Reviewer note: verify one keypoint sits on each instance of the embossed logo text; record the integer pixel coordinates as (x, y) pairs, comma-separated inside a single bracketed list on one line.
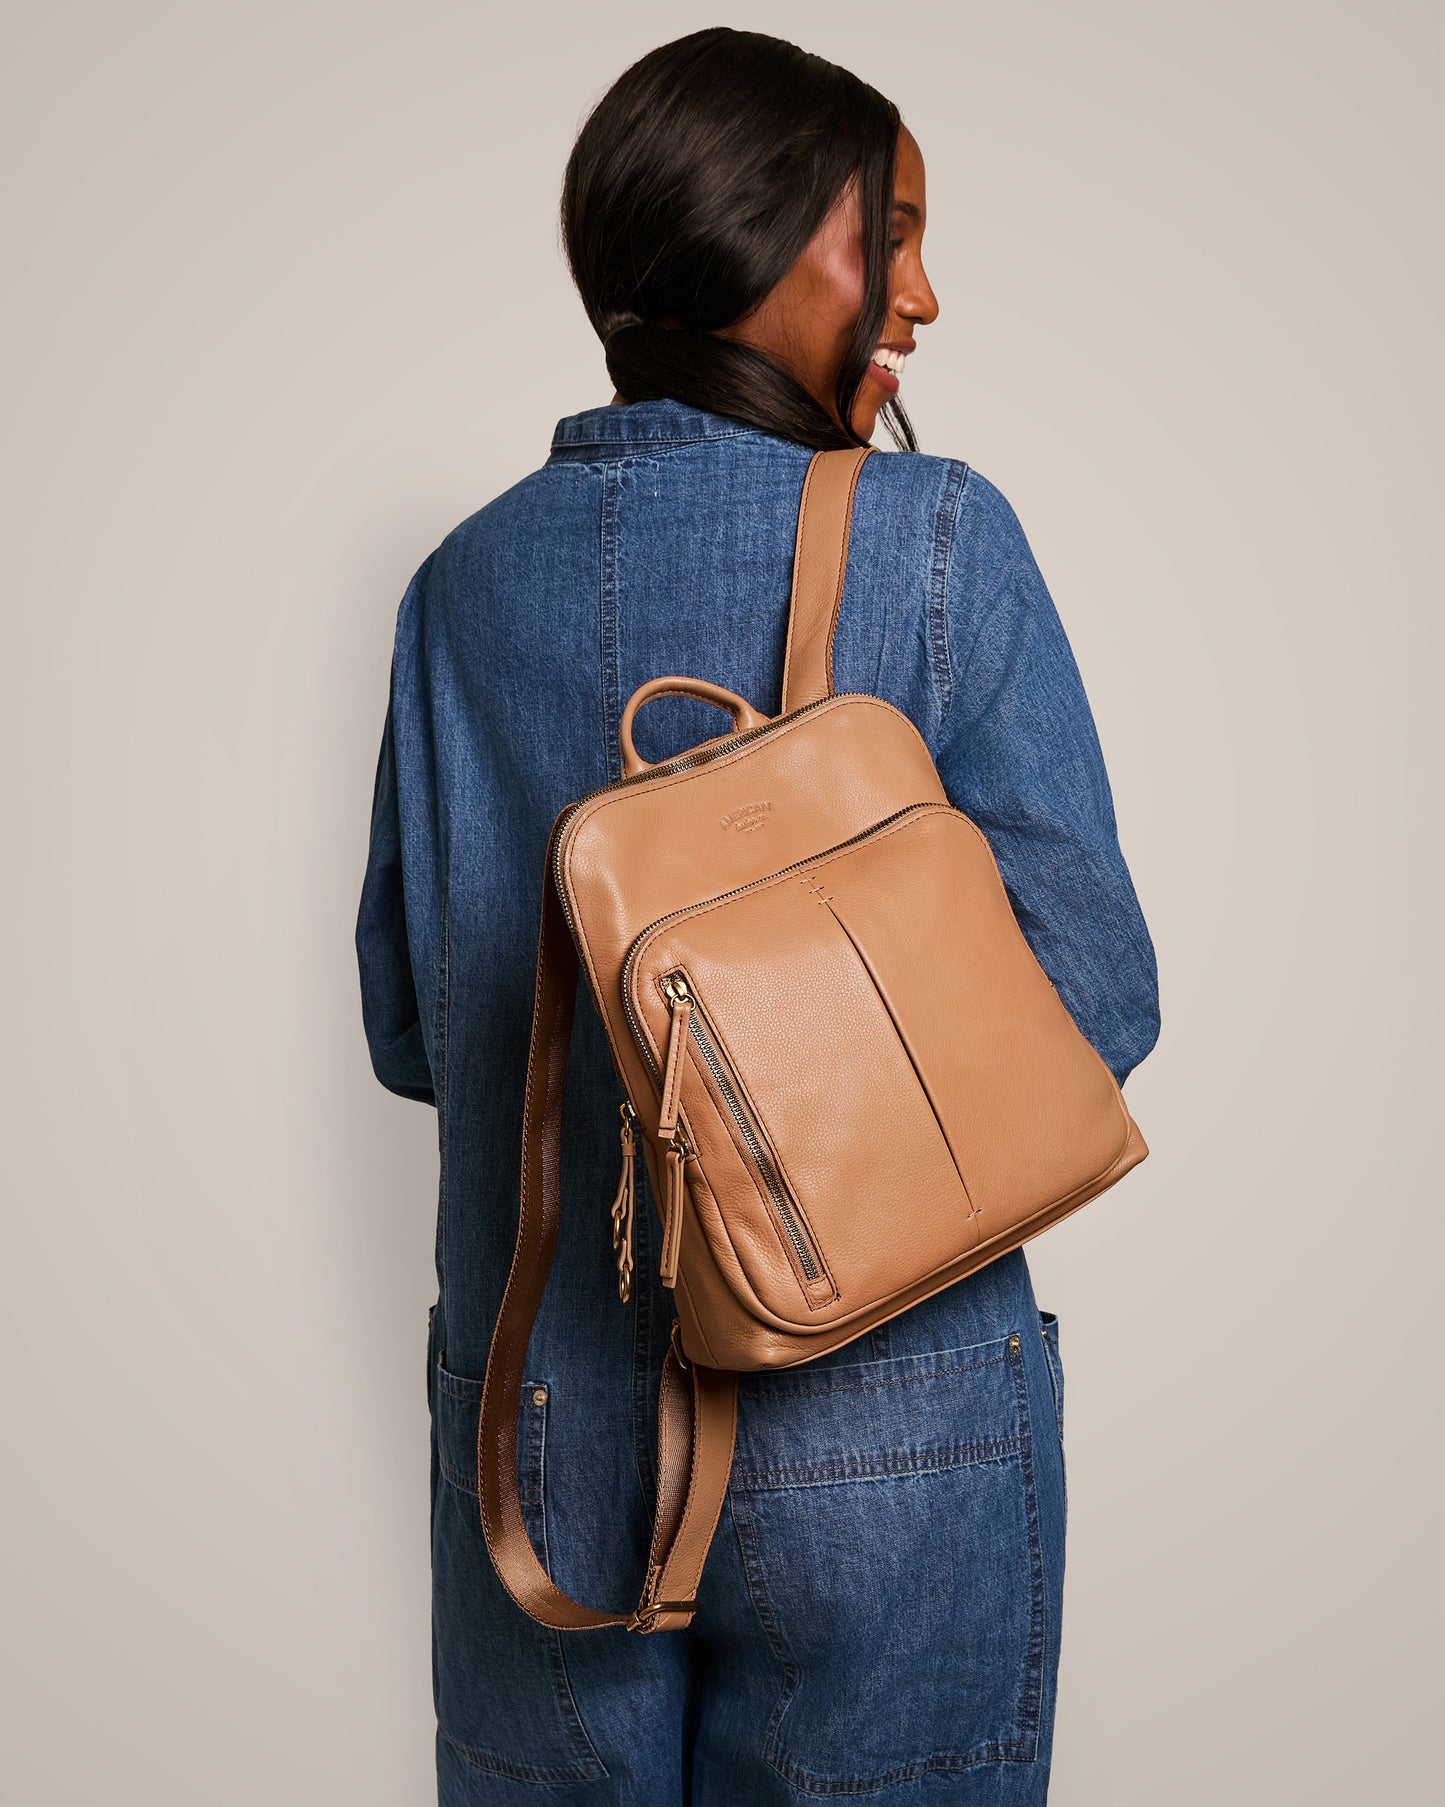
[(748, 817)]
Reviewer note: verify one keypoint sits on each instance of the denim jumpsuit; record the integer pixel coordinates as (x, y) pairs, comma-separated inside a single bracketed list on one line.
[(880, 1610)]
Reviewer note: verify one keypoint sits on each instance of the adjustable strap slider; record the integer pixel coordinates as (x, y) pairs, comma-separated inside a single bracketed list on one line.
[(641, 1617)]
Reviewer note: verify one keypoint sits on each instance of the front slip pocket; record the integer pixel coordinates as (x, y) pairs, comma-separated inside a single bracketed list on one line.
[(740, 1146), (878, 1077)]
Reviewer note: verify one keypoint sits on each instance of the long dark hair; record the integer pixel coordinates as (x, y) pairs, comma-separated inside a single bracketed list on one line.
[(693, 187)]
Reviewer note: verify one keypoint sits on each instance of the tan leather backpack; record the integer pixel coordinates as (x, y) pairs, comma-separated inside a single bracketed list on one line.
[(819, 1003)]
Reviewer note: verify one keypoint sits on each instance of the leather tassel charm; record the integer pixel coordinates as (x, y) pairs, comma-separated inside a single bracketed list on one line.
[(677, 1151), (624, 1203)]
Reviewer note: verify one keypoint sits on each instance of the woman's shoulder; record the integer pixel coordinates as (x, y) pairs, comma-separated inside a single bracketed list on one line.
[(932, 473), (962, 504)]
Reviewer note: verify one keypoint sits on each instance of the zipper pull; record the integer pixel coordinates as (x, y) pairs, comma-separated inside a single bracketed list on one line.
[(623, 1204), (669, 1130), (678, 1150), (680, 999)]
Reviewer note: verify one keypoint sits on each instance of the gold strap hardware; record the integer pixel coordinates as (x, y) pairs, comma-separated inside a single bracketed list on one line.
[(640, 1616)]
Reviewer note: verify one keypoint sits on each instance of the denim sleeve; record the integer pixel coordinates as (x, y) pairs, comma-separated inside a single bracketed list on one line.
[(1019, 754), (388, 990)]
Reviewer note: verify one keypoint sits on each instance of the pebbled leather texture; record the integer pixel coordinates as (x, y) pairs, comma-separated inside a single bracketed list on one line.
[(862, 1021)]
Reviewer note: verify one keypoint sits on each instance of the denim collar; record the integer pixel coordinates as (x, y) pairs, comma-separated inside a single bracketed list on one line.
[(622, 428)]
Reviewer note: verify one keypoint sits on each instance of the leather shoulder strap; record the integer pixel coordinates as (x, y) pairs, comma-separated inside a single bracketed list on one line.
[(697, 1406), (820, 563)]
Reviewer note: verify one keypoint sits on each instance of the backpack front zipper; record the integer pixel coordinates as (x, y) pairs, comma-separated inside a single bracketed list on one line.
[(682, 1001)]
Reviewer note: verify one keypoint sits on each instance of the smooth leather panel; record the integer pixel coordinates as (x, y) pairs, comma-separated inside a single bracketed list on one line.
[(785, 996), (957, 1047), (1029, 1108), (717, 1328)]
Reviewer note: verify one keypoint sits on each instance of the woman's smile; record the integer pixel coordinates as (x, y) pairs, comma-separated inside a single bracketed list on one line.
[(887, 365)]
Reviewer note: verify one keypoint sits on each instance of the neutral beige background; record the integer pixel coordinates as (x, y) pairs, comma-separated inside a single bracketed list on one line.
[(284, 303)]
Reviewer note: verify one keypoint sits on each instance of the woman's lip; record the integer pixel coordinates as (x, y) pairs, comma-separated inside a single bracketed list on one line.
[(885, 377)]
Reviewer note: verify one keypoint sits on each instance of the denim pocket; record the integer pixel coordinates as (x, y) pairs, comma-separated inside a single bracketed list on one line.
[(888, 1519), (503, 1698)]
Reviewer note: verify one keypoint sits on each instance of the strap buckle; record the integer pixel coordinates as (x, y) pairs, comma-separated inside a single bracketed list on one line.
[(639, 1619), (675, 1338)]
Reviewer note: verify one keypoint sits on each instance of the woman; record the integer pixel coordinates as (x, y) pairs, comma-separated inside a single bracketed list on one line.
[(881, 1606)]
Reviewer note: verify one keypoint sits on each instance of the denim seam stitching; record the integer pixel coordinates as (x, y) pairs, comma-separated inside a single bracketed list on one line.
[(633, 447), (746, 1536), (468, 1392), (537, 1472), (442, 1033), (557, 1654), (1038, 1621), (884, 1467), (581, 1771), (943, 536), (467, 1483), (607, 621), (960, 497), (892, 1380), (941, 1762), (1051, 1357)]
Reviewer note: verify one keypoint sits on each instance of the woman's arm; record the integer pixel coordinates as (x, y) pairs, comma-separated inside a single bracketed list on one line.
[(388, 990), (1019, 754)]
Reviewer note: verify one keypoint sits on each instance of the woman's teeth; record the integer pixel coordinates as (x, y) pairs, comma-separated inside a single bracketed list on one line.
[(890, 360)]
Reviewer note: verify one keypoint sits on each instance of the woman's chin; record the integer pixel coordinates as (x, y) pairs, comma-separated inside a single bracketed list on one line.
[(865, 419)]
